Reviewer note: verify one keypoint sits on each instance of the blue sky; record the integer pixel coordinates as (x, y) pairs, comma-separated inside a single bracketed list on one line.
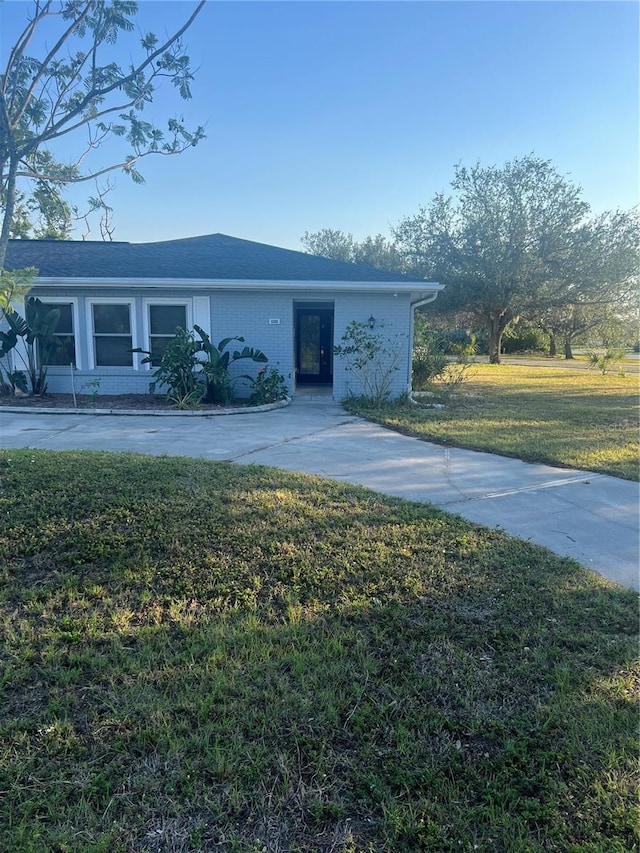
[(351, 115)]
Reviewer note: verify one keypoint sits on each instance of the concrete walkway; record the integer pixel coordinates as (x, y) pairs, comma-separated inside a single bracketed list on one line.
[(590, 517)]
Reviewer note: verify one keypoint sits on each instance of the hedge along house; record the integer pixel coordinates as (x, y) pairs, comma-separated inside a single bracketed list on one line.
[(115, 297)]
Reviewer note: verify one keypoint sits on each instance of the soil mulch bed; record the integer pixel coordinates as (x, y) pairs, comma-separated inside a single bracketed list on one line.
[(106, 401)]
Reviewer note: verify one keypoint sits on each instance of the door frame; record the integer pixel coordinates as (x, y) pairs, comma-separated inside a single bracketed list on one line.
[(326, 309)]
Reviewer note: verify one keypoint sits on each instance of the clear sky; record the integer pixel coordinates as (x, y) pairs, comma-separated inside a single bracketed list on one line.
[(351, 115)]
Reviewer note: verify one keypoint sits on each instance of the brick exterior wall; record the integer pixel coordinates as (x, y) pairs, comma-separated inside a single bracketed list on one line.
[(393, 326), (266, 319)]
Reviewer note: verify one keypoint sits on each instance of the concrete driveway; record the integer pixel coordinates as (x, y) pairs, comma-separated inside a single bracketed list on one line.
[(590, 517)]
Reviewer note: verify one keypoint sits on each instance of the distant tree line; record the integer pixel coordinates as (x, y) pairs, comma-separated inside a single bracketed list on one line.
[(518, 248)]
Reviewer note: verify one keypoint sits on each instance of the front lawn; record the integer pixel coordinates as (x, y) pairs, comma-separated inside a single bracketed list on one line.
[(200, 657), (577, 419)]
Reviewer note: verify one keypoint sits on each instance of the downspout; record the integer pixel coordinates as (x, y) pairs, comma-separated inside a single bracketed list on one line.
[(412, 323)]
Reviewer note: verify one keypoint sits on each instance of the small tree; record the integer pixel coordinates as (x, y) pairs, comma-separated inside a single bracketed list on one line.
[(371, 358), (602, 361)]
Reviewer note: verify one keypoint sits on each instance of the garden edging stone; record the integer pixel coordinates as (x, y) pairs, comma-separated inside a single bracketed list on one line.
[(156, 413)]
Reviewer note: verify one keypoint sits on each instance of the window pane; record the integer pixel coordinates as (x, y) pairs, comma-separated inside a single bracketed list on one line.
[(114, 351), (64, 351), (111, 319), (163, 319), (309, 344), (65, 323)]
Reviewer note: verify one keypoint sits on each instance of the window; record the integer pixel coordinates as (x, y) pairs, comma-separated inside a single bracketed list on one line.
[(64, 337), (163, 321), (112, 340)]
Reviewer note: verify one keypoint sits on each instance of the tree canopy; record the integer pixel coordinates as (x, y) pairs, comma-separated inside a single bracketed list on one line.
[(511, 242), (379, 251), (498, 241), (61, 82), (597, 287)]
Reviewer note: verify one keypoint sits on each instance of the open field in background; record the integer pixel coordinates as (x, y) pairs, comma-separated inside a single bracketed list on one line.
[(572, 418), (199, 657)]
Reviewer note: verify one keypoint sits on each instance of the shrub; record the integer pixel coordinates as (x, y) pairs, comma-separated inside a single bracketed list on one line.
[(216, 368), (428, 362), (604, 360), (189, 379), (432, 361), (523, 337), (372, 358), (177, 370), (269, 386), (37, 329)]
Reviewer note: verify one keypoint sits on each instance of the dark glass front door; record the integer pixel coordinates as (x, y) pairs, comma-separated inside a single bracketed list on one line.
[(314, 345)]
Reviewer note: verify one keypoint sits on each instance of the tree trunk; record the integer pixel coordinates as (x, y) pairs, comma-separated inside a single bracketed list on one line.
[(568, 354), (7, 215), (553, 346), (497, 325)]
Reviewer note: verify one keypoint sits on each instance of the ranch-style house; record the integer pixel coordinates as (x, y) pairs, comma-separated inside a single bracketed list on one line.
[(115, 297)]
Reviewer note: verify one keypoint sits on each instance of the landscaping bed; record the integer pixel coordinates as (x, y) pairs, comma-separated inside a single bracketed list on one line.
[(124, 402)]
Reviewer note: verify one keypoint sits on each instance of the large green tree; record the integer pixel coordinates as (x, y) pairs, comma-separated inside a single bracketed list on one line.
[(497, 241), (597, 287), (61, 83)]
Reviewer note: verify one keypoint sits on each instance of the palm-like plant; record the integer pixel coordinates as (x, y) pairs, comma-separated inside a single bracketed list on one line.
[(216, 368), (189, 378), (37, 329)]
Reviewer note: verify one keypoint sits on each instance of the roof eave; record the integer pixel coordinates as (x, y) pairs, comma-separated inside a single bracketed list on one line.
[(416, 289)]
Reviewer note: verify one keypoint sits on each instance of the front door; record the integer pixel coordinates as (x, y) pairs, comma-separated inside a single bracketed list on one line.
[(314, 345)]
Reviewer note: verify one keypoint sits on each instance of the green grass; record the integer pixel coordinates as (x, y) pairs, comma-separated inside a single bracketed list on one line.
[(200, 657), (576, 419)]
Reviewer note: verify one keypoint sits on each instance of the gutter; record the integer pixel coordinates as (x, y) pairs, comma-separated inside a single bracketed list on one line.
[(195, 284), (418, 304)]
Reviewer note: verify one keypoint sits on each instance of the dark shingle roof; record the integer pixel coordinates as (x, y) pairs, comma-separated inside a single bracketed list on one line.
[(215, 256)]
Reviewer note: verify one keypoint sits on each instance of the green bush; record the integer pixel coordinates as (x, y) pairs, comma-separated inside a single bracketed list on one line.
[(603, 361), (432, 360), (189, 378), (371, 358), (524, 338), (269, 386), (428, 362), (177, 370), (216, 367)]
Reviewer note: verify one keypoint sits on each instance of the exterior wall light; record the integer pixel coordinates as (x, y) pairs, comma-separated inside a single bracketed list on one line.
[(371, 321)]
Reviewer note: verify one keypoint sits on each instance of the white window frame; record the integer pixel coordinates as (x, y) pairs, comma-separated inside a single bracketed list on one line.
[(112, 300), (146, 318), (75, 315)]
